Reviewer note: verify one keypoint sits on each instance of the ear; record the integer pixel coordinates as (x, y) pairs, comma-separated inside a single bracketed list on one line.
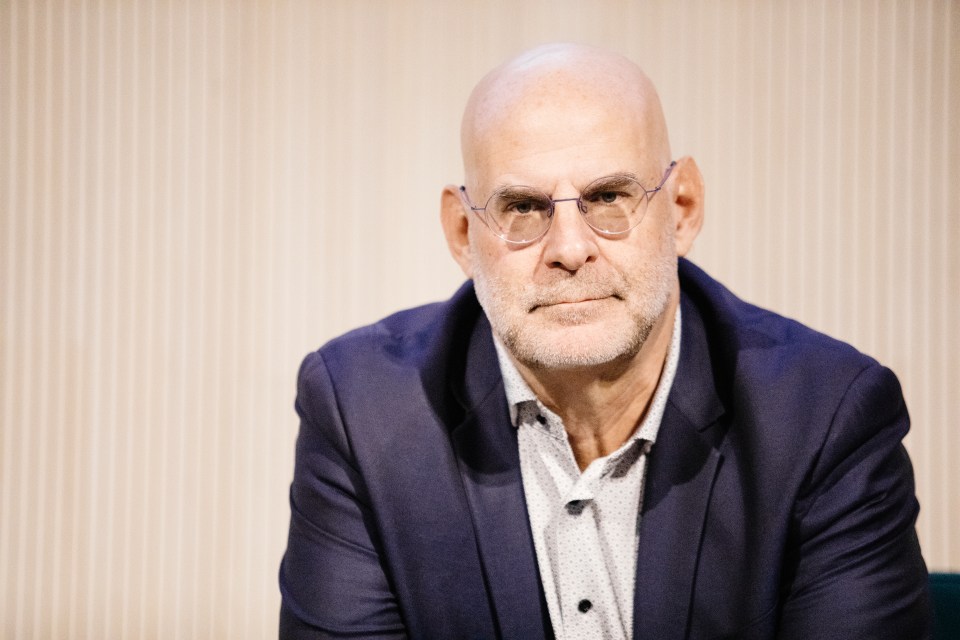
[(687, 204), (456, 226)]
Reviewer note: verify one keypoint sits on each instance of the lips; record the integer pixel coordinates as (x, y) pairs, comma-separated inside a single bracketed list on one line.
[(578, 301), (573, 301), (584, 288)]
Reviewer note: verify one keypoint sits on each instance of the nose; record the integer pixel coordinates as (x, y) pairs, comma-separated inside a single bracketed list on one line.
[(570, 243)]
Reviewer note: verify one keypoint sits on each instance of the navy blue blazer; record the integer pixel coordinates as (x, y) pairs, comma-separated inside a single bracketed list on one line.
[(779, 501)]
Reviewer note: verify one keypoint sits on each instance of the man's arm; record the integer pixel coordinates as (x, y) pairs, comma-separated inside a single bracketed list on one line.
[(856, 569), (332, 580)]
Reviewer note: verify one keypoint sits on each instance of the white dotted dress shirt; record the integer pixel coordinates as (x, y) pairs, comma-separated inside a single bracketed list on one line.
[(584, 524)]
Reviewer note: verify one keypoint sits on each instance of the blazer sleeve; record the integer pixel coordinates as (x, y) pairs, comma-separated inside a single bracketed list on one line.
[(332, 579), (855, 569)]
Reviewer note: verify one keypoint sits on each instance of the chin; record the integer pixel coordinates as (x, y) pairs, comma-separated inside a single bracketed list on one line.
[(577, 346)]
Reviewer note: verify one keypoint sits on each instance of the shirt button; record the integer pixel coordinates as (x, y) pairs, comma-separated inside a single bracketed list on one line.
[(584, 605), (575, 507)]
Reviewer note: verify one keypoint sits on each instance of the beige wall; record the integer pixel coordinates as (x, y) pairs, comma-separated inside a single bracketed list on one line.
[(195, 194)]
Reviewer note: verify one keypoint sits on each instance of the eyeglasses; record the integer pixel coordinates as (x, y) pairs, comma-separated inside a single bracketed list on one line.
[(611, 205)]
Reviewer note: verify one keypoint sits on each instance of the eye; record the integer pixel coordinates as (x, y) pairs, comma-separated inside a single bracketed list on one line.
[(523, 207), (612, 191), (604, 197)]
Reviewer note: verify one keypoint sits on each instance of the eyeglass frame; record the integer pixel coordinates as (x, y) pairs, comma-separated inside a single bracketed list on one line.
[(581, 207)]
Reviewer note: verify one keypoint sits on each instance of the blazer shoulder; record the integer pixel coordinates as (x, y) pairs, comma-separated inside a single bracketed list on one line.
[(783, 386), (411, 364), (771, 343), (411, 337)]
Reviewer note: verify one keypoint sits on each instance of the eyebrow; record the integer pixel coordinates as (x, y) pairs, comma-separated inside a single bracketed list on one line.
[(615, 180), (517, 191)]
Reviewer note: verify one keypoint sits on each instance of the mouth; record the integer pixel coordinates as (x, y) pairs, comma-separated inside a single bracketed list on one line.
[(560, 304)]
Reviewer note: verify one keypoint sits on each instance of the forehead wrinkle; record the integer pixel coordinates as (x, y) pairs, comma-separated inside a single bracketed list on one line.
[(506, 162)]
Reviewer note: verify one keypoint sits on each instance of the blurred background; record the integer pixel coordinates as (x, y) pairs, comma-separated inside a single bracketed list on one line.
[(193, 195)]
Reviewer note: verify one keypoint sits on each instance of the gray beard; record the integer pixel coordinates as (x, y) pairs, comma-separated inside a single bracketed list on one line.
[(499, 298)]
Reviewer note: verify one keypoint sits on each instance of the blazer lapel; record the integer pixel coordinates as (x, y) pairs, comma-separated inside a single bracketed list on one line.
[(486, 447), (680, 477)]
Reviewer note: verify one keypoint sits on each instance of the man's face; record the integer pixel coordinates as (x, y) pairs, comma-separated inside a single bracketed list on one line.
[(573, 298)]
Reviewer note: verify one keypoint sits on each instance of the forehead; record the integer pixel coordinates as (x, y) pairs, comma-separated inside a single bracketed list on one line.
[(549, 143)]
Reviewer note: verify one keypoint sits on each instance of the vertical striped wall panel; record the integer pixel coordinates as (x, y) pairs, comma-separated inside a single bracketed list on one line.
[(195, 194)]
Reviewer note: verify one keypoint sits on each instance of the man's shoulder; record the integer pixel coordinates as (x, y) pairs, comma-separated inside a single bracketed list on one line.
[(784, 387), (412, 337), (746, 331), (767, 369), (399, 379)]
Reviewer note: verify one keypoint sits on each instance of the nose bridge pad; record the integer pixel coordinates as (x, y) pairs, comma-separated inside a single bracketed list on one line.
[(579, 206)]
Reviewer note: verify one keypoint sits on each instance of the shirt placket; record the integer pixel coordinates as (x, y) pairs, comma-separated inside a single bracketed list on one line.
[(579, 580)]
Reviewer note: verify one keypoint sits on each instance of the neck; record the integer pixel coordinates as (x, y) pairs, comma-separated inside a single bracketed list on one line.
[(601, 406)]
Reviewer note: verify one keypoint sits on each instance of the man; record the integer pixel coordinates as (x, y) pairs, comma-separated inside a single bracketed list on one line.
[(594, 439)]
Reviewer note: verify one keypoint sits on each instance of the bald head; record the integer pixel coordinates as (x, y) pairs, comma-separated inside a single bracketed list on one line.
[(549, 91)]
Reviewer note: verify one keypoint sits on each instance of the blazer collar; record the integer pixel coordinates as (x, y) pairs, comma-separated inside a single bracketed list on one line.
[(486, 447), (680, 477)]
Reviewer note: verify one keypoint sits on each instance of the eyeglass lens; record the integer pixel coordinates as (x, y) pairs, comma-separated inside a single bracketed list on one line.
[(613, 204)]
